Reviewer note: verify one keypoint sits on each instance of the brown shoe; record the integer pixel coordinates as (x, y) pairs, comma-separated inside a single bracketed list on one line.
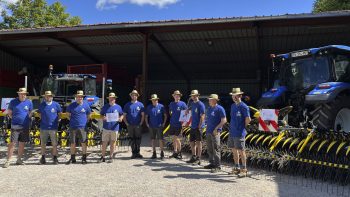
[(243, 173), (235, 171)]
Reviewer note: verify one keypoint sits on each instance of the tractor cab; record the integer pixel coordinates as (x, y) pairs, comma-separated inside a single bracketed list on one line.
[(309, 80)]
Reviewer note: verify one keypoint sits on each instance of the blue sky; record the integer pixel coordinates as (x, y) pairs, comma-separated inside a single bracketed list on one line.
[(106, 11)]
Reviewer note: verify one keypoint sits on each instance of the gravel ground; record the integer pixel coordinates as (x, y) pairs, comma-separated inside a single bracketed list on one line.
[(126, 177)]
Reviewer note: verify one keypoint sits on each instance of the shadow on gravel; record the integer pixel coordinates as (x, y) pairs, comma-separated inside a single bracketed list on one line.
[(159, 165)]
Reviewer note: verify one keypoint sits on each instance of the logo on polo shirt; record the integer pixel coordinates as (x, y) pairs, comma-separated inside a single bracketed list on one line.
[(26, 108), (83, 110), (213, 113), (196, 110), (115, 111), (239, 114), (178, 109), (158, 111), (53, 110), (138, 108)]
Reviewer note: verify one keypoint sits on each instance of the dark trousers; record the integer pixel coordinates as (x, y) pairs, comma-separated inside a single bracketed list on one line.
[(135, 135)]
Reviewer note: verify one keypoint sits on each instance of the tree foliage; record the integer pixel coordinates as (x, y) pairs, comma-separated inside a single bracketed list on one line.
[(36, 13), (330, 5)]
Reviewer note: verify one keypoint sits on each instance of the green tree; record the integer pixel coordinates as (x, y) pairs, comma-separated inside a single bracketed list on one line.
[(36, 13), (330, 5)]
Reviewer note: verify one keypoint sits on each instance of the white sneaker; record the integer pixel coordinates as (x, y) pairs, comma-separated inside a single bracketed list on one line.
[(6, 164)]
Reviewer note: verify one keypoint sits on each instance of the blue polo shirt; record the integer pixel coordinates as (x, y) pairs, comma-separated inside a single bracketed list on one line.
[(49, 115), (197, 109), (155, 115), (238, 115), (107, 108), (20, 112), (133, 112), (175, 111), (79, 113), (214, 116)]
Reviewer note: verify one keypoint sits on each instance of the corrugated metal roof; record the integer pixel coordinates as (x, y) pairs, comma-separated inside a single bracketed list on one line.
[(223, 50), (175, 22)]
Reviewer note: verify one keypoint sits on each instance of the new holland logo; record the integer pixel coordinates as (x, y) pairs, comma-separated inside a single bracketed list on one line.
[(138, 109), (158, 111), (213, 113), (26, 108), (83, 110), (53, 110)]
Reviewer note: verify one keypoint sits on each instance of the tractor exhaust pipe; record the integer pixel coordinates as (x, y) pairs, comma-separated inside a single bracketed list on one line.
[(103, 90)]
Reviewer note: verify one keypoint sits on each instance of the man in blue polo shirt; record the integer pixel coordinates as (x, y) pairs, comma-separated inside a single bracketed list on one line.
[(240, 118), (79, 114), (134, 116), (175, 109), (49, 112), (19, 110), (155, 120), (198, 115), (112, 116), (216, 118)]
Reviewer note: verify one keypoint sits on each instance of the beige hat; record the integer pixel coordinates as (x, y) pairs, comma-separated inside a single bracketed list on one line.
[(214, 96), (236, 91), (48, 93), (22, 91), (177, 92), (194, 93), (154, 97), (80, 93), (112, 95), (134, 92)]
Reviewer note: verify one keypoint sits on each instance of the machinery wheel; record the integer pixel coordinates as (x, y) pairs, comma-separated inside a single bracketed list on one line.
[(334, 115)]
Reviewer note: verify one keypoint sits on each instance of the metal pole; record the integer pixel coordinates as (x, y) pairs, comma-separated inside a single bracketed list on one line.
[(144, 68), (103, 90), (26, 82)]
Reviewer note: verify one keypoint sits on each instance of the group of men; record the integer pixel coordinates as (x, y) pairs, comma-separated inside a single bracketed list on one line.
[(134, 115)]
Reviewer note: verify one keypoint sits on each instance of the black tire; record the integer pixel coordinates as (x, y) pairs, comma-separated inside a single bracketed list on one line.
[(323, 116)]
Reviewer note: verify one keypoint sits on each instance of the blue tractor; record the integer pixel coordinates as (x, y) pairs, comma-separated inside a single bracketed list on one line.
[(316, 84)]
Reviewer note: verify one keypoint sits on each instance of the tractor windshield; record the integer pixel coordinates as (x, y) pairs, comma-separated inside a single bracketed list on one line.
[(306, 72)]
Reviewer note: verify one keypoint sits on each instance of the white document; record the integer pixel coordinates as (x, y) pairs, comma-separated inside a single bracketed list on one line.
[(185, 117), (112, 117), (268, 114), (5, 102)]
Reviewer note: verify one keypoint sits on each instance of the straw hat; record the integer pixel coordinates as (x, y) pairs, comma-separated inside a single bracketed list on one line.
[(48, 93), (80, 93), (177, 92), (194, 93), (112, 95), (236, 91), (134, 92), (22, 91), (154, 97), (214, 96)]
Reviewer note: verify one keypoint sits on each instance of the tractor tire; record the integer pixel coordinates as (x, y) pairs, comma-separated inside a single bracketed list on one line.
[(324, 115)]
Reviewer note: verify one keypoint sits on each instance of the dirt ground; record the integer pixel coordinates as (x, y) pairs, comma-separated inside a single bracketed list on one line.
[(137, 177)]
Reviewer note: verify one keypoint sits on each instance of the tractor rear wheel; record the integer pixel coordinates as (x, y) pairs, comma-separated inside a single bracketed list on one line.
[(334, 115)]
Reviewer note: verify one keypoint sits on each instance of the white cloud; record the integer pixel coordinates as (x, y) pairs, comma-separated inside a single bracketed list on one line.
[(110, 4), (3, 3)]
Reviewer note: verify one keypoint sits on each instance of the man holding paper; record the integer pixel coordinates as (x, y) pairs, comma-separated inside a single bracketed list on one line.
[(175, 109), (112, 116)]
